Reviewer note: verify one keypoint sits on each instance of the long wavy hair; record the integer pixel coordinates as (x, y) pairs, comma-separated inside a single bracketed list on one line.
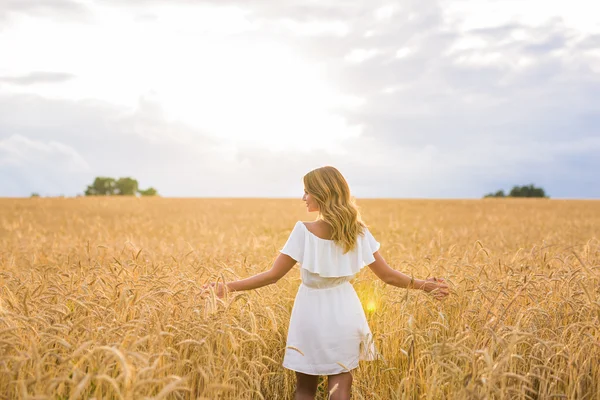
[(336, 206)]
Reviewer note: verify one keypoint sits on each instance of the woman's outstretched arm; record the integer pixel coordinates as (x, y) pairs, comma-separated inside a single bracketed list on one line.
[(282, 265), (398, 279)]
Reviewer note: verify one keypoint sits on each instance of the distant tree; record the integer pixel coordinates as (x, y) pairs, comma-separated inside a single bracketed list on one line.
[(527, 191), (102, 186), (126, 187), (499, 193), (520, 191), (148, 192), (34, 194), (106, 186)]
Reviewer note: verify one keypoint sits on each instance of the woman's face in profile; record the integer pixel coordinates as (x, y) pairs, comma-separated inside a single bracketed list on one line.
[(311, 204)]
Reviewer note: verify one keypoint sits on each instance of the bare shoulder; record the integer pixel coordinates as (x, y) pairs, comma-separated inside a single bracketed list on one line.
[(319, 228), (316, 224)]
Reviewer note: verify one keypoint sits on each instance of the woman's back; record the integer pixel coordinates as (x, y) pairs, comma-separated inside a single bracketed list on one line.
[(328, 331)]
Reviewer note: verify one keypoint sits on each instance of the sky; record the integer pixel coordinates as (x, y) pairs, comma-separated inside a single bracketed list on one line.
[(224, 98)]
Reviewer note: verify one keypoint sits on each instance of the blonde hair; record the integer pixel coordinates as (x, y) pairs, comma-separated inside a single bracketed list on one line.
[(336, 206)]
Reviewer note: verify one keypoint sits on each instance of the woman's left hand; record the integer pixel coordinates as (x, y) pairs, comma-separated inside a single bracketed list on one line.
[(437, 287), (220, 288)]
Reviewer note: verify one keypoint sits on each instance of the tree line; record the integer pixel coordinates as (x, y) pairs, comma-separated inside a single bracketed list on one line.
[(107, 186), (520, 191)]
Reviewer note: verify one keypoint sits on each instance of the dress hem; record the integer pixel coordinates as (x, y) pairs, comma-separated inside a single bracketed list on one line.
[(340, 370)]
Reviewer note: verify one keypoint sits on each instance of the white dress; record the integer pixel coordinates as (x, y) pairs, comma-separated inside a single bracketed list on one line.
[(328, 332)]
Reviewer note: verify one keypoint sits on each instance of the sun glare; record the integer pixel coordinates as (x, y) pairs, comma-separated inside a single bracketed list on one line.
[(241, 88), (371, 306), (257, 93)]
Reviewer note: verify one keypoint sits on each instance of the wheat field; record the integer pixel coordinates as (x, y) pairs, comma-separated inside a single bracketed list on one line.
[(102, 298)]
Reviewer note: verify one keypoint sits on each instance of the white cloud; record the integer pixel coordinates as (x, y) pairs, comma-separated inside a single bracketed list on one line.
[(18, 150), (316, 28), (44, 167), (581, 15), (403, 52), (386, 12), (360, 55), (37, 77)]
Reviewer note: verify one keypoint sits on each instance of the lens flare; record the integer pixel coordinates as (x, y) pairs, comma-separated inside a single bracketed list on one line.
[(371, 306)]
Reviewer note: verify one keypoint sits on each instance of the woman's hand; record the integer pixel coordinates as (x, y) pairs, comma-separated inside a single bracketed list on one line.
[(437, 287), (220, 288)]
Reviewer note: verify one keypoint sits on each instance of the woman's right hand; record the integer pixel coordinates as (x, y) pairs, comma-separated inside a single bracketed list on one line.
[(437, 287), (220, 288)]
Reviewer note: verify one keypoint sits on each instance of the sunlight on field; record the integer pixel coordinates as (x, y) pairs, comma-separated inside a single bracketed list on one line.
[(101, 298)]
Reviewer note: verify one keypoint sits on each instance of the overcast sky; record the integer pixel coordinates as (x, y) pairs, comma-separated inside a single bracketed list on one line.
[(409, 99)]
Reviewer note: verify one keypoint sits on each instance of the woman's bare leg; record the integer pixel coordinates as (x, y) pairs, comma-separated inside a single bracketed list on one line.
[(344, 388), (306, 386)]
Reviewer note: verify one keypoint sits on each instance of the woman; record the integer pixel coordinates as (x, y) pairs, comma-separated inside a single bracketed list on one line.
[(328, 331)]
